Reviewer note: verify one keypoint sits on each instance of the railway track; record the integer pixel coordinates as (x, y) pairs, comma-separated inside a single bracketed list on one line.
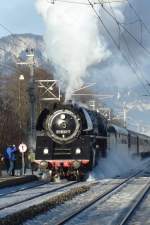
[(106, 194), (53, 189), (8, 191), (136, 204), (112, 189)]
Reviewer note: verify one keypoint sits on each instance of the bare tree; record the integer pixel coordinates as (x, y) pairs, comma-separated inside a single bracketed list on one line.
[(14, 106)]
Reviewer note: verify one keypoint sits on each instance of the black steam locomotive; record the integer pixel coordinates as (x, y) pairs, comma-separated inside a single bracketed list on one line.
[(70, 140)]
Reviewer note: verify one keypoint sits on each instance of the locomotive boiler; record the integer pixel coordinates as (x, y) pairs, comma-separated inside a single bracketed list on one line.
[(70, 140)]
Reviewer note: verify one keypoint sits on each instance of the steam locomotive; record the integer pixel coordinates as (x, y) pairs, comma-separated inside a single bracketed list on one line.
[(70, 139)]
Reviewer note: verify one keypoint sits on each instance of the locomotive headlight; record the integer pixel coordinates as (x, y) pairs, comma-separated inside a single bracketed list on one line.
[(78, 151), (45, 151), (62, 116)]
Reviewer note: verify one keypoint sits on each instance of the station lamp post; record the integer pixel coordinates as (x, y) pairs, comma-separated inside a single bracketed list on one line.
[(21, 78)]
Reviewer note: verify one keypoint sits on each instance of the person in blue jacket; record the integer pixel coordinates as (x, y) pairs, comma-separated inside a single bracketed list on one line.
[(12, 158)]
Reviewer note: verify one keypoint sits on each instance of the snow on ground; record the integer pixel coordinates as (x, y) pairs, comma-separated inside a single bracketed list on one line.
[(21, 187), (109, 211), (101, 213), (141, 216), (23, 195), (116, 164), (52, 215)]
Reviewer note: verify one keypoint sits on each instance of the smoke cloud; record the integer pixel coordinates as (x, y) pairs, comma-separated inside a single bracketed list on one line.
[(74, 39), (81, 50)]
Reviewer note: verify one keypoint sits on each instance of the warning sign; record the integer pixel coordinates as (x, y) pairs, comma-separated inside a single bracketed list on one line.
[(22, 147)]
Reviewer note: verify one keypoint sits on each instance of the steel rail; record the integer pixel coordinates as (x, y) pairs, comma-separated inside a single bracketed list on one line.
[(36, 196), (23, 189), (92, 202), (138, 201)]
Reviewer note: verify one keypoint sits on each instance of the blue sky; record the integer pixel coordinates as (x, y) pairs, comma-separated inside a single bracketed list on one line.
[(20, 16)]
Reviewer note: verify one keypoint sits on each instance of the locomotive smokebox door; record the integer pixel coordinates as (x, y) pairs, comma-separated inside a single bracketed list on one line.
[(44, 148)]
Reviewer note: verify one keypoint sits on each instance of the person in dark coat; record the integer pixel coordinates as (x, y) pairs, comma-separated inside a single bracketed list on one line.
[(12, 159)]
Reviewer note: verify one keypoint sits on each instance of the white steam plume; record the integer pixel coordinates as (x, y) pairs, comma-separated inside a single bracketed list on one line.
[(73, 40)]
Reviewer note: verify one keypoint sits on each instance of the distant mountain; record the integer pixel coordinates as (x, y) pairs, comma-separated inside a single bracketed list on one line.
[(13, 49)]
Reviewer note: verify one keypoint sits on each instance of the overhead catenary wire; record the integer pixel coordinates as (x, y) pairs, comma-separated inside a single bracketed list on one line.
[(138, 16), (83, 3), (139, 75), (131, 22), (117, 45), (102, 3), (131, 54), (126, 30), (114, 41), (105, 27)]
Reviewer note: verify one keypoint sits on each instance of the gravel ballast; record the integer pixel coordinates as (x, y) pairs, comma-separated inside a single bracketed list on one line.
[(19, 217)]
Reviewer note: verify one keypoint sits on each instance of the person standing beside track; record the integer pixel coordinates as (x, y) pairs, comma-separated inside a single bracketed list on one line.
[(12, 159)]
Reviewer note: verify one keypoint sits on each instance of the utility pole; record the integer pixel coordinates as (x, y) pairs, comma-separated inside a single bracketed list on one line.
[(31, 91)]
